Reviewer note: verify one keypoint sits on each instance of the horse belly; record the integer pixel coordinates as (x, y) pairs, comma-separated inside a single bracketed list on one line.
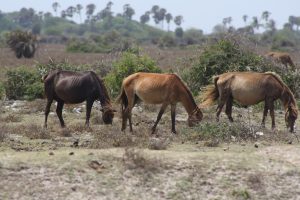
[(153, 96), (71, 95), (247, 97)]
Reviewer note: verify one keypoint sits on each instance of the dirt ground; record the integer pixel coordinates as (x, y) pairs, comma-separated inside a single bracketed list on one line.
[(102, 162)]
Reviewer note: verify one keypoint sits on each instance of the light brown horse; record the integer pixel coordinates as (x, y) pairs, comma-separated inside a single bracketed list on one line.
[(249, 88), (283, 58), (152, 88)]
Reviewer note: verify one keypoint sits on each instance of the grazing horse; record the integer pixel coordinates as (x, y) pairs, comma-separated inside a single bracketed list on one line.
[(249, 88), (281, 57), (75, 87), (155, 88)]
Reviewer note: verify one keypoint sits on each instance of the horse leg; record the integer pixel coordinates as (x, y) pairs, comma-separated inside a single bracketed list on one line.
[(160, 113), (89, 105), (127, 111), (223, 99), (47, 111), (59, 108), (173, 114), (228, 110), (271, 107), (265, 113)]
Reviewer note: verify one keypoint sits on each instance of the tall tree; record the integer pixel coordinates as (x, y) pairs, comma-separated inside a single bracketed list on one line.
[(55, 7), (128, 11), (161, 16), (79, 7), (245, 18), (90, 9), (227, 20), (255, 23), (169, 18), (63, 14), (70, 11), (178, 20), (265, 16), (271, 26), (155, 15), (145, 18)]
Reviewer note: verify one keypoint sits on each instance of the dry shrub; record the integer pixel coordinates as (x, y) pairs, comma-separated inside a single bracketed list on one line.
[(135, 159), (3, 132), (11, 118), (158, 143), (111, 136), (34, 131), (65, 132), (38, 105)]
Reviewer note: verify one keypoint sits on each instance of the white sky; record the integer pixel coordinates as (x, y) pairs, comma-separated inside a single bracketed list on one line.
[(201, 14)]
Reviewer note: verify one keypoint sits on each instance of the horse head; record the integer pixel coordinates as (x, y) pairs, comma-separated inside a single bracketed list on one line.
[(290, 117), (108, 114), (195, 117)]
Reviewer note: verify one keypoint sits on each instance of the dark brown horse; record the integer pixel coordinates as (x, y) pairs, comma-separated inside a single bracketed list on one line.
[(75, 87), (249, 88), (164, 89)]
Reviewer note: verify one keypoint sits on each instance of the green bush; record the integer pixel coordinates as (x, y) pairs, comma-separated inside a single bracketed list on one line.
[(129, 63), (222, 57), (2, 90), (23, 83)]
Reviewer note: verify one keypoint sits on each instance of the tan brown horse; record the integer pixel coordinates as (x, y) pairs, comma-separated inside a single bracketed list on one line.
[(283, 58), (249, 88), (165, 89)]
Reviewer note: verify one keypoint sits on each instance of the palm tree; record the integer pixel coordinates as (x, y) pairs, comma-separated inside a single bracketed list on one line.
[(265, 15), (288, 26), (79, 7), (271, 25), (145, 18), (55, 6), (155, 15), (169, 17), (161, 16), (245, 18), (255, 23), (63, 14), (70, 11), (227, 20), (128, 12), (90, 8), (292, 21), (178, 20)]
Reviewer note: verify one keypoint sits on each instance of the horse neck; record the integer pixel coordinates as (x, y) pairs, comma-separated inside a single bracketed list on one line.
[(103, 95), (188, 101), (287, 99)]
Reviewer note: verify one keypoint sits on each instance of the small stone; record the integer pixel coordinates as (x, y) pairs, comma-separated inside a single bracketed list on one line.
[(256, 145), (51, 153), (226, 148), (71, 153), (290, 142)]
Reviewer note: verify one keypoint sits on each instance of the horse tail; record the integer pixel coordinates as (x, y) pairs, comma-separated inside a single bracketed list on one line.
[(210, 94), (123, 100)]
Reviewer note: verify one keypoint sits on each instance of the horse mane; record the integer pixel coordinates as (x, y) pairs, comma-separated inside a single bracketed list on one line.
[(186, 88), (104, 97), (285, 87)]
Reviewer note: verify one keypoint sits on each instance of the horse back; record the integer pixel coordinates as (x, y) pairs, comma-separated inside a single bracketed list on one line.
[(249, 88), (71, 87), (151, 87)]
